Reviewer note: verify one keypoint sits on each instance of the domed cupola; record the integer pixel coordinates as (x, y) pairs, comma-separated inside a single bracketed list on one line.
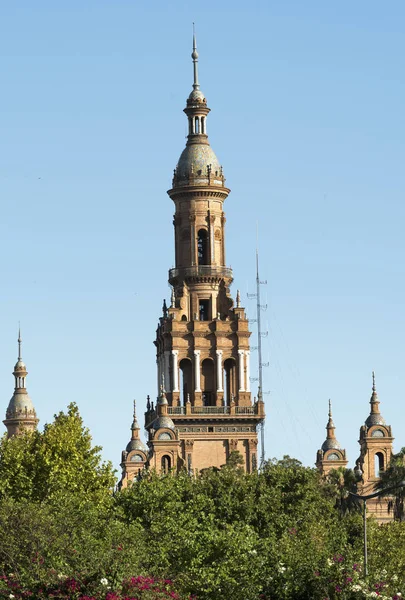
[(135, 442), (198, 164), (135, 456), (163, 421), (331, 455), (20, 414), (331, 442), (375, 417)]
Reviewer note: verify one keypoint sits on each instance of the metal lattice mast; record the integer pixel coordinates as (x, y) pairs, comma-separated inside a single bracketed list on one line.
[(259, 350)]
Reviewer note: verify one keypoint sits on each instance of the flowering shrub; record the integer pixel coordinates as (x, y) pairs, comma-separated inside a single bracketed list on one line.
[(71, 588)]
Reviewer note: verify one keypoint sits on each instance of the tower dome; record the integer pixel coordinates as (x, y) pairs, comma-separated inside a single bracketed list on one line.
[(198, 164), (375, 417), (331, 442)]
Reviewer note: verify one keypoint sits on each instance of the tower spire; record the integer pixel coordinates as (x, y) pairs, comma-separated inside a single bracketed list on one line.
[(19, 342), (194, 56), (330, 427)]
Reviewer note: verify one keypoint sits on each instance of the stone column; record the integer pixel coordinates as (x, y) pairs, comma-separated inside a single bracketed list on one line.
[(175, 354), (247, 361), (192, 240), (220, 387), (212, 238), (223, 221), (168, 387), (197, 370), (241, 371)]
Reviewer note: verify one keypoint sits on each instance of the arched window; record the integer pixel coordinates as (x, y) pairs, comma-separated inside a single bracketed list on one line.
[(378, 464), (186, 375), (229, 380), (166, 463), (377, 433), (197, 125), (208, 382), (333, 456), (202, 247), (202, 124)]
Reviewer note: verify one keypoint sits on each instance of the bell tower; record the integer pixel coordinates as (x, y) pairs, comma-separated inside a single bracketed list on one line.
[(375, 455), (202, 338)]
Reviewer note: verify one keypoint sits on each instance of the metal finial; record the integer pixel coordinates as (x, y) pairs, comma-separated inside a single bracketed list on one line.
[(374, 389), (19, 342), (237, 299), (134, 409), (194, 56), (164, 308), (330, 409)]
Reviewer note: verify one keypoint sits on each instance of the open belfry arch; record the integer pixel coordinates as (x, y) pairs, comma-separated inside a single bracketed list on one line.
[(204, 409)]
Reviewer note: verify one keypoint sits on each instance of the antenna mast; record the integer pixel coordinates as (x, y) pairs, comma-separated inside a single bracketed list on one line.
[(260, 335), (259, 351)]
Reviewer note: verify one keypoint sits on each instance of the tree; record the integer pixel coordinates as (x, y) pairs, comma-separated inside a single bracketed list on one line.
[(391, 477), (343, 481), (60, 461)]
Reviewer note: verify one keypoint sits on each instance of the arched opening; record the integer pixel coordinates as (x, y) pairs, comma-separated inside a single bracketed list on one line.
[(197, 125), (378, 464), (186, 375), (229, 380), (208, 382), (204, 310), (166, 463), (202, 247), (190, 125), (202, 124)]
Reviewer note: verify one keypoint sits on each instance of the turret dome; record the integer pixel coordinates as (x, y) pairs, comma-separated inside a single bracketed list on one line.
[(163, 422), (20, 404), (136, 444), (198, 160)]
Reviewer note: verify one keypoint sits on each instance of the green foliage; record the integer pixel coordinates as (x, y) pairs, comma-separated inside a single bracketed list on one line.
[(391, 477), (342, 482), (279, 534), (57, 462)]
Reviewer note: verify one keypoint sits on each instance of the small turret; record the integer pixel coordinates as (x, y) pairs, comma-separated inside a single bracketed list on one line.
[(20, 414), (375, 417), (331, 455), (135, 455)]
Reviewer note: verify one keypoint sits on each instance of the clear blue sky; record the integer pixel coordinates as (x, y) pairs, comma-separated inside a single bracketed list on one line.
[(307, 104)]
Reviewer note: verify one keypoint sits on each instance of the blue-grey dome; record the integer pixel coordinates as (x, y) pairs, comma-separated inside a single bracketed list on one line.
[(163, 423), (375, 419), (331, 444), (195, 160), (20, 404), (136, 444)]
